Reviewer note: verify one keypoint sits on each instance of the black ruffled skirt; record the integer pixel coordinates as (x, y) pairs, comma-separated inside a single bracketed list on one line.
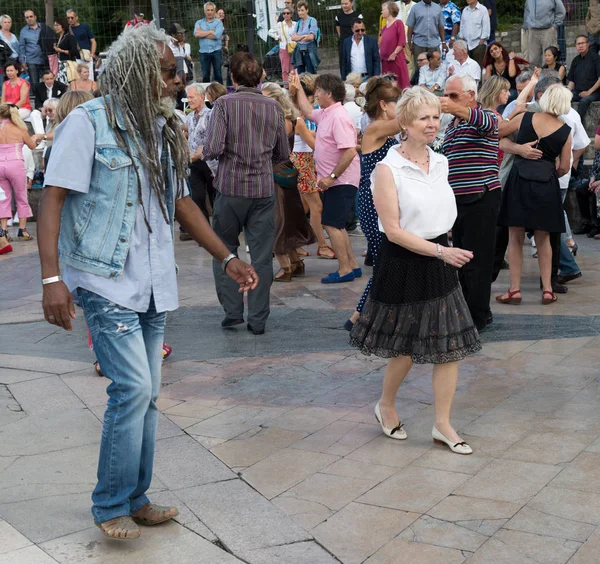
[(415, 308)]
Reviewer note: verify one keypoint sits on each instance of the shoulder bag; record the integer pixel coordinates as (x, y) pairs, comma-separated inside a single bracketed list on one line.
[(291, 45)]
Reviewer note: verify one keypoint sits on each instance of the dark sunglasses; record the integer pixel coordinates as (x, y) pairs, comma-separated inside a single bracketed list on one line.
[(452, 95), (360, 30), (390, 77), (287, 13), (172, 71)]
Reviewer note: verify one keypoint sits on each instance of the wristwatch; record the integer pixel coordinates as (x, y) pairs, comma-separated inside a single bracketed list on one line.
[(452, 38), (333, 175), (227, 260)]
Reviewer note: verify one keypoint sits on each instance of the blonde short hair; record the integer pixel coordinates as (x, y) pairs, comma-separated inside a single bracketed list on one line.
[(273, 90), (69, 101), (556, 101), (413, 99), (491, 90), (81, 66), (354, 78)]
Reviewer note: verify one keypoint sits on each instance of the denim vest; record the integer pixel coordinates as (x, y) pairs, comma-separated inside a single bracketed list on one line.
[(95, 229)]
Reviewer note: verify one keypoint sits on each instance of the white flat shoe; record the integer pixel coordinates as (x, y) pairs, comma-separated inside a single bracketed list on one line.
[(458, 448), (396, 433)]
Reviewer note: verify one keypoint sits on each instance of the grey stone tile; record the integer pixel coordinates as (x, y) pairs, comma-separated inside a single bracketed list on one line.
[(11, 539), (588, 553), (357, 469), (68, 471), (582, 474), (568, 504), (245, 452), (308, 419), (46, 395), (13, 375), (284, 469), (415, 553), (166, 428), (27, 555), (193, 410), (181, 462), (56, 515), (428, 530), (414, 489), (388, 452), (334, 492), (42, 433), (357, 531), (40, 364), (307, 514), (240, 517), (549, 448), (539, 548), (234, 422), (460, 508), (530, 520), (88, 386), (169, 542), (438, 458), (509, 480), (498, 552), (559, 346), (299, 553)]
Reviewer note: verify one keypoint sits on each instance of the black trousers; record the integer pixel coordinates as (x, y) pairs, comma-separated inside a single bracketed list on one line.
[(586, 201), (500, 251), (201, 186), (475, 230)]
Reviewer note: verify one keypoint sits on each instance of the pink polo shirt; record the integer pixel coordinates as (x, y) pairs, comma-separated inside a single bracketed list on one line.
[(335, 134)]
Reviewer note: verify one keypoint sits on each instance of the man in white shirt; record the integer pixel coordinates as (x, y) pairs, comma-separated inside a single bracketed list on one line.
[(360, 53), (433, 75), (475, 29), (461, 64)]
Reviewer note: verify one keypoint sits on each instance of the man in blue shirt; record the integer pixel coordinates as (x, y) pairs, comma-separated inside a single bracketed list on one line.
[(209, 31), (425, 25), (30, 52), (85, 39)]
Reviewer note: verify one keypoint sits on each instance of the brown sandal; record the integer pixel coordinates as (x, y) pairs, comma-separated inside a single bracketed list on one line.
[(546, 301), (510, 299), (298, 268), (151, 514), (286, 276), (24, 235), (126, 525)]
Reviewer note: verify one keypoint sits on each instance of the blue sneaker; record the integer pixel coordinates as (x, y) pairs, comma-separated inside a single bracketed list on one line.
[(335, 278), (358, 272)]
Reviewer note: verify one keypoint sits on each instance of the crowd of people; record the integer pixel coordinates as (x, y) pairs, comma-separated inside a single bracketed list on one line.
[(443, 177)]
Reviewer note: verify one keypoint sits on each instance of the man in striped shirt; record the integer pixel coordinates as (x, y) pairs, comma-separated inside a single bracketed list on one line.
[(471, 146), (246, 132)]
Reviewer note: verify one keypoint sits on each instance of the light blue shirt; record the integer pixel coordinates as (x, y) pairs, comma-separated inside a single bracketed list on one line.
[(426, 19), (208, 45), (29, 49), (13, 43), (150, 265), (304, 27)]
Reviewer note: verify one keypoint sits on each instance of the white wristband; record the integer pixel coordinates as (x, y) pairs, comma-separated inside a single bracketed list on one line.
[(51, 280)]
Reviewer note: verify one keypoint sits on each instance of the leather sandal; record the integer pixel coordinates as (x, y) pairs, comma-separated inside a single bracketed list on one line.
[(286, 276), (151, 514), (298, 268), (510, 299), (546, 301), (24, 235), (120, 528), (321, 255)]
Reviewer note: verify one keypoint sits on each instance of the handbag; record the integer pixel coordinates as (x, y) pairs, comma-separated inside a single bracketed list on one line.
[(286, 175), (53, 63), (72, 73), (291, 45), (85, 55)]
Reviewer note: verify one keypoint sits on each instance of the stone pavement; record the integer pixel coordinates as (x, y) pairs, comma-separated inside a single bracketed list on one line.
[(270, 448)]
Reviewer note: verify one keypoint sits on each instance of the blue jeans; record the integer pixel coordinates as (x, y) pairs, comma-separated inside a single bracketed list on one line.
[(307, 65), (214, 59), (128, 346), (568, 265)]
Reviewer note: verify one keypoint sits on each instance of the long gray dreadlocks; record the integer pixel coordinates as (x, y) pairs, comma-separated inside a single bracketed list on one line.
[(132, 77)]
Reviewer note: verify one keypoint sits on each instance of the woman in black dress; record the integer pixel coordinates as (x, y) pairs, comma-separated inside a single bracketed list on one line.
[(531, 199), (66, 47)]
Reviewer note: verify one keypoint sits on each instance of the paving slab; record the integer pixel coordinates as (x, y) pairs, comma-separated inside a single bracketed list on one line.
[(415, 553), (357, 531), (169, 542), (11, 539), (588, 553), (308, 552), (45, 396), (28, 555), (241, 518)]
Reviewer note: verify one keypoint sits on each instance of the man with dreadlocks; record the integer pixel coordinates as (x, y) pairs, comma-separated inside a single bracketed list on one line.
[(114, 186)]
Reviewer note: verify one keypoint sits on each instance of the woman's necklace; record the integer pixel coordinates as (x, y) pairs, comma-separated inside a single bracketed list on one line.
[(413, 160)]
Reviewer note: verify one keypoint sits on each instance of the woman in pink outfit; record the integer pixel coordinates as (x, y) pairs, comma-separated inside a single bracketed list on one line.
[(391, 48), (13, 179)]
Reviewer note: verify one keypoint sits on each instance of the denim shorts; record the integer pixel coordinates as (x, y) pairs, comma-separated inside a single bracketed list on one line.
[(338, 202)]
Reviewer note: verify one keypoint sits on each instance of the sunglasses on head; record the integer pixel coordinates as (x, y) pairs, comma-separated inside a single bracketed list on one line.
[(172, 71)]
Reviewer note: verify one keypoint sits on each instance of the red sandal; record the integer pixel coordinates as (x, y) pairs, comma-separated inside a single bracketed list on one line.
[(510, 299), (546, 301), (323, 255)]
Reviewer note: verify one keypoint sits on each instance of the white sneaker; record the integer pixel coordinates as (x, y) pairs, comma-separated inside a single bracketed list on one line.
[(356, 232), (9, 222)]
